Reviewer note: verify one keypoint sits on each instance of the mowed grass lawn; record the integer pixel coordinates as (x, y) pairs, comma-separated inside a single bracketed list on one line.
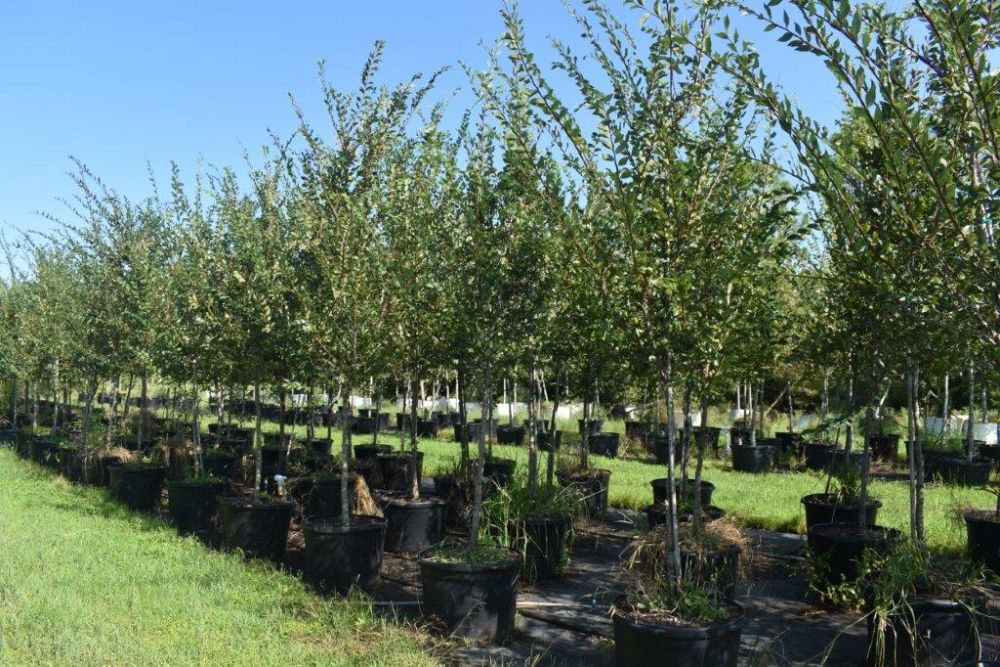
[(85, 582)]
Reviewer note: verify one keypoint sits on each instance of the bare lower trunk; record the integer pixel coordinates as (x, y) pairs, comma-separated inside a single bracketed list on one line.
[(946, 408), (258, 442), (585, 439), (463, 419), (55, 392), (143, 405), (916, 529), (345, 457), (791, 409), (970, 447), (415, 483), (673, 533), (550, 461), (685, 438), (700, 463), (477, 492), (532, 444), (199, 464)]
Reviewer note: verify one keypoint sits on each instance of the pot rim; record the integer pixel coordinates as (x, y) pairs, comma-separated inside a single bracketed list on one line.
[(424, 560), (320, 525), (685, 633), (814, 499)]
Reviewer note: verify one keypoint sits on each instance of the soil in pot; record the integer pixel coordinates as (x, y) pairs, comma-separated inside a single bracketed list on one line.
[(753, 459), (817, 455), (642, 641), (959, 471), (983, 534), (925, 632), (413, 525), (259, 528), (592, 486), (660, 487), (510, 435), (604, 444), (544, 543), (474, 600), (656, 515), (137, 486), (193, 504), (339, 557), (826, 508), (396, 471), (739, 437), (839, 549)]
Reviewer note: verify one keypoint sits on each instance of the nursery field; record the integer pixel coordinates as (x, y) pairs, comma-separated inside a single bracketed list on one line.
[(769, 501), (84, 581)]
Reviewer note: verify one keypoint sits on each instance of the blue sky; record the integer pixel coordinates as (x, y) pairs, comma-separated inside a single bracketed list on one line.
[(118, 84)]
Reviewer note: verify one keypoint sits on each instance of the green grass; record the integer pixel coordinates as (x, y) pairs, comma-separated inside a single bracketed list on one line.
[(85, 582)]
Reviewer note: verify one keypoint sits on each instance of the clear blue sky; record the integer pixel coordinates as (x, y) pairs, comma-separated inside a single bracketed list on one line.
[(119, 83)]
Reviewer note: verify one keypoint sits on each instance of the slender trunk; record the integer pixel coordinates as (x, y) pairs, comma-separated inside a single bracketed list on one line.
[(700, 463), (282, 398), (34, 413), (415, 483), (13, 403), (55, 392), (219, 407), (378, 417), (863, 495), (946, 408), (752, 407), (585, 439), (510, 406), (916, 530), (128, 397), (345, 457), (532, 444), (986, 406), (970, 447), (550, 463), (329, 414), (673, 534), (116, 385), (685, 438), (791, 408), (258, 444), (311, 418), (477, 493), (825, 400), (199, 466), (143, 404), (88, 408), (463, 419)]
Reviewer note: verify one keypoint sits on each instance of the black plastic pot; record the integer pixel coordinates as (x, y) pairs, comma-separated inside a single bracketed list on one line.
[(370, 452), (817, 455), (221, 464), (320, 447), (542, 541), (660, 487), (712, 435), (45, 452), (661, 450), (510, 435), (983, 533), (739, 437), (595, 425), (592, 486), (548, 441), (823, 508), (414, 525), (396, 471), (500, 471), (427, 428), (604, 444), (321, 497), (789, 442), (137, 488), (928, 632), (194, 504), (656, 515), (959, 471), (884, 447), (752, 459), (472, 600), (642, 644), (636, 430), (841, 547), (363, 425), (339, 557), (258, 529)]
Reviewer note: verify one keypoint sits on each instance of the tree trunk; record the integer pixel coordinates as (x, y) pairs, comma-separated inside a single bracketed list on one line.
[(532, 445), (946, 408), (477, 492), (673, 533), (685, 438), (550, 463), (55, 391), (258, 442), (415, 486), (791, 408), (699, 465), (345, 457), (463, 418), (585, 438), (140, 431), (199, 465), (970, 446)]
